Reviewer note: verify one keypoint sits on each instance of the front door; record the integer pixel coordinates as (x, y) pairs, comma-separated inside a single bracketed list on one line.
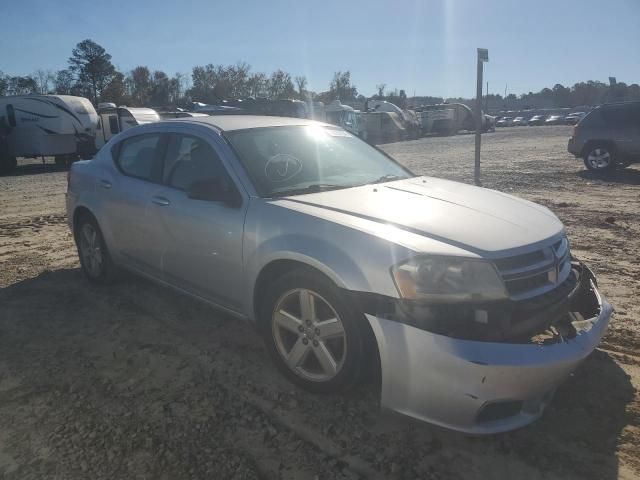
[(202, 240)]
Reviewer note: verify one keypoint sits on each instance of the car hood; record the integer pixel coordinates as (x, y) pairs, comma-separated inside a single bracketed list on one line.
[(476, 219)]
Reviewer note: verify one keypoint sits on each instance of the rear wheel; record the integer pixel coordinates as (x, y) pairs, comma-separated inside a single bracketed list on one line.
[(315, 336), (599, 158), (94, 257)]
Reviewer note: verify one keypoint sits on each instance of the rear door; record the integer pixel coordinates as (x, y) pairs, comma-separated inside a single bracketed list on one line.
[(132, 201), (202, 239), (623, 128)]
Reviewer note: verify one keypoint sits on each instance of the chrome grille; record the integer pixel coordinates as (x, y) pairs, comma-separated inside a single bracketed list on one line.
[(536, 272)]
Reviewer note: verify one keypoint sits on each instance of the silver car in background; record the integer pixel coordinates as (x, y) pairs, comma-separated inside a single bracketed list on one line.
[(466, 300)]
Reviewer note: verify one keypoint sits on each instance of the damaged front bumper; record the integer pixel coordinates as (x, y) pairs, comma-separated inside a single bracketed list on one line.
[(474, 386)]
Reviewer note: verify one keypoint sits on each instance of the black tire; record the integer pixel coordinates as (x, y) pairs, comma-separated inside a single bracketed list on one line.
[(354, 349), (599, 157), (104, 273)]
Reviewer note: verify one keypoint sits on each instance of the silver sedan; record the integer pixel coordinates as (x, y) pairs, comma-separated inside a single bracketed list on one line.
[(467, 301)]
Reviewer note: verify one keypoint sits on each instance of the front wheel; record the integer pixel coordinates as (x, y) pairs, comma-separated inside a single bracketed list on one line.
[(599, 158), (314, 335)]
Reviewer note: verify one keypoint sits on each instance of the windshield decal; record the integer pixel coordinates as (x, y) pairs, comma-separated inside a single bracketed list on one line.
[(282, 167)]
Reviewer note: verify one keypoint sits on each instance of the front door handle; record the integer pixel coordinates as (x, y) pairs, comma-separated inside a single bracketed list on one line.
[(106, 184), (163, 202)]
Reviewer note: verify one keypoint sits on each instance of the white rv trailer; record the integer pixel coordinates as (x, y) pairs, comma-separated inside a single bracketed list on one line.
[(346, 117), (114, 120), (410, 120), (47, 125)]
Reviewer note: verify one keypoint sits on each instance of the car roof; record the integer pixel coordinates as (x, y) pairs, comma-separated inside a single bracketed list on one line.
[(631, 103), (227, 123)]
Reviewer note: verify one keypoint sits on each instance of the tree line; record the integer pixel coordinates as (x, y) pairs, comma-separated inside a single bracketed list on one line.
[(588, 93), (91, 73)]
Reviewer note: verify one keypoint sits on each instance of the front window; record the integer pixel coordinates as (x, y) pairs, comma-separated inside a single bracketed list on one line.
[(303, 159), (189, 160)]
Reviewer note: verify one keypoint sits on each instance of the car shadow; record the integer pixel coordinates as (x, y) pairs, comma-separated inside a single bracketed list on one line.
[(62, 337), (626, 176), (581, 431), (578, 436)]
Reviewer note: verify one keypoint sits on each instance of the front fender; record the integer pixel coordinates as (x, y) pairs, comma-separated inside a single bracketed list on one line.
[(353, 259), (316, 253), (322, 255)]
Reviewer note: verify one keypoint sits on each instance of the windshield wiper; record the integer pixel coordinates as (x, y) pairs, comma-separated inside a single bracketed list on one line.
[(313, 188), (389, 177)]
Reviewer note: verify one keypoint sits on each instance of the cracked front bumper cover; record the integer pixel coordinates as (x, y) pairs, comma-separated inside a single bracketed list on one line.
[(451, 382)]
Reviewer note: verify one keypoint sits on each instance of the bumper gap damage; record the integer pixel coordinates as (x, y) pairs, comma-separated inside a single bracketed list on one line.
[(499, 372)]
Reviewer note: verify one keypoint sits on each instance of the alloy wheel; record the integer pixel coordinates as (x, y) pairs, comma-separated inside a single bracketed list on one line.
[(309, 335), (599, 159), (91, 250)]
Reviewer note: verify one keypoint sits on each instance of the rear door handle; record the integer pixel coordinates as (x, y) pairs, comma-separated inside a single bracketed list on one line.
[(163, 202), (106, 184)]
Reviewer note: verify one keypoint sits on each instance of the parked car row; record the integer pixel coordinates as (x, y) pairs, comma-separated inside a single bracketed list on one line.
[(537, 120)]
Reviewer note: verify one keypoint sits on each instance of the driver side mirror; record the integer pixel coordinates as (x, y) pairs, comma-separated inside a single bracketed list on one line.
[(212, 190)]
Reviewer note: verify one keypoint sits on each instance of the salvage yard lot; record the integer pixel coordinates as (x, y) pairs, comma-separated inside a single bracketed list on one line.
[(135, 381)]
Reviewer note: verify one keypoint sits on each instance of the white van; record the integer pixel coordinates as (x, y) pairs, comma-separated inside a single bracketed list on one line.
[(114, 120), (47, 125)]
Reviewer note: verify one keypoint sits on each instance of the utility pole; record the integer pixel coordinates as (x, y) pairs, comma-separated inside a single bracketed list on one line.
[(483, 56)]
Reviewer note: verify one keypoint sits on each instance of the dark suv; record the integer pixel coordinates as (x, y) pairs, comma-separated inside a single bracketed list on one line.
[(608, 136)]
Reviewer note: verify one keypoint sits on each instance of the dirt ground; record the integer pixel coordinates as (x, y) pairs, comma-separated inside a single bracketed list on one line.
[(134, 381)]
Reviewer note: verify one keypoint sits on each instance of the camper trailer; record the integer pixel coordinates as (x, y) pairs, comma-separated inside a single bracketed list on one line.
[(346, 117), (384, 127), (114, 120), (409, 118), (46, 125), (450, 118)]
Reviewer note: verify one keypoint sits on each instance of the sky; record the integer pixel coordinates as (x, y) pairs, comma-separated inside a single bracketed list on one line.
[(426, 47)]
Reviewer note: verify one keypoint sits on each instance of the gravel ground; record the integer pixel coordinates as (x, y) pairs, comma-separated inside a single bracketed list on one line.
[(134, 381)]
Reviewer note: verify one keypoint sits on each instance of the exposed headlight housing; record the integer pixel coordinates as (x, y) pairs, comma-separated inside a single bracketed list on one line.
[(448, 279)]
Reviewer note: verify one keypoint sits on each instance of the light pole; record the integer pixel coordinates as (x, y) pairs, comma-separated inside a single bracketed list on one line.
[(483, 56)]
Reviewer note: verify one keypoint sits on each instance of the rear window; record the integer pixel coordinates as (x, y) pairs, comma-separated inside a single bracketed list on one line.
[(617, 117)]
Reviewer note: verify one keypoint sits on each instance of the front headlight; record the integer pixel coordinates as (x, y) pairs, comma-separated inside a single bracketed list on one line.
[(448, 279)]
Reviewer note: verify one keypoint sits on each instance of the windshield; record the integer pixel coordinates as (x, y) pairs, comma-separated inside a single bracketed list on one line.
[(298, 159)]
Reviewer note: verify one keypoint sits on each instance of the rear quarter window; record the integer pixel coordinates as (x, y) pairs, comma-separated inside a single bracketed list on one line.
[(139, 156), (617, 117)]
